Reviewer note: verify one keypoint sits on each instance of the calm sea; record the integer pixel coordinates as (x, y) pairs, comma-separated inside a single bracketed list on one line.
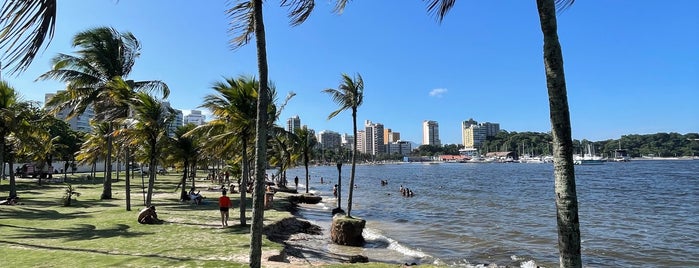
[(635, 214)]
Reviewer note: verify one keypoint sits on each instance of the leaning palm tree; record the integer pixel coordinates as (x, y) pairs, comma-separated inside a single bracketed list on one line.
[(564, 173), (349, 96), (96, 78), (305, 142), (152, 121)]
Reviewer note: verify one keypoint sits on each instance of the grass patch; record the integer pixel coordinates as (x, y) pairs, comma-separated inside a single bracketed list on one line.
[(101, 233)]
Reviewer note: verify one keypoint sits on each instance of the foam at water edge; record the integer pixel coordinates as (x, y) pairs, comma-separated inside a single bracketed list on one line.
[(524, 264), (374, 235)]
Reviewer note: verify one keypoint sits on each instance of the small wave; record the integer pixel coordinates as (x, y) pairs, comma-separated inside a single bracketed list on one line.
[(523, 263), (375, 237)]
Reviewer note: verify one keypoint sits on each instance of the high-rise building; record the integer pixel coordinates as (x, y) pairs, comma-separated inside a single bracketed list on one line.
[(373, 140), (430, 133), (361, 144), (195, 117), (293, 123), (329, 139), (177, 120), (347, 141), (390, 136), (79, 122), (473, 134)]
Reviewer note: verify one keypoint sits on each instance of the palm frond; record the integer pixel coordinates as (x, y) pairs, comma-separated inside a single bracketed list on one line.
[(242, 22), (439, 8), (25, 26), (299, 10), (340, 6), (562, 5)]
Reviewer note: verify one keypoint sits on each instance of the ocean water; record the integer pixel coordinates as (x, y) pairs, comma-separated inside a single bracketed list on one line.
[(634, 214)]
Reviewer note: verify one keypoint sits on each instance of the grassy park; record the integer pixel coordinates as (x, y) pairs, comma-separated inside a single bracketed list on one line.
[(41, 232)]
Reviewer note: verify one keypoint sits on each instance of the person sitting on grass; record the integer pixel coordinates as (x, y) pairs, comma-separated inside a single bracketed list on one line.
[(148, 216), (195, 197)]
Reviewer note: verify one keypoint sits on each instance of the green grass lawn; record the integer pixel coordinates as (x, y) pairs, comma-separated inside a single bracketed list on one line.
[(101, 233)]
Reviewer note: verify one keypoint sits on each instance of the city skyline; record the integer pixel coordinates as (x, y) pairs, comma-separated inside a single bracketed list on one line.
[(631, 70)]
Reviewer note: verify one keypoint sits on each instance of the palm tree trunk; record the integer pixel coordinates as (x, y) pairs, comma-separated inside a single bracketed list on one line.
[(2, 153), (260, 141), (107, 191), (305, 164), (564, 172), (128, 179), (354, 163), (183, 192), (151, 174), (13, 183), (244, 182)]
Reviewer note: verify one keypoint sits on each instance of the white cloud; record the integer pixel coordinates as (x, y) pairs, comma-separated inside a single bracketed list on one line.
[(438, 92)]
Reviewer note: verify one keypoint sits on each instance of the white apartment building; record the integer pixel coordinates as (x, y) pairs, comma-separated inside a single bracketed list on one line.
[(430, 133), (195, 117), (293, 123), (373, 140), (79, 122)]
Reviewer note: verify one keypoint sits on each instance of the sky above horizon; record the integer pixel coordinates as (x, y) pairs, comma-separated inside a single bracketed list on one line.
[(631, 67)]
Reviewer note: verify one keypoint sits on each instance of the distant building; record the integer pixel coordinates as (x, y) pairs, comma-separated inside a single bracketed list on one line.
[(195, 117), (293, 123), (400, 147), (79, 122), (361, 145), (390, 136), (373, 140), (177, 120), (329, 139), (473, 134), (430, 133), (347, 141)]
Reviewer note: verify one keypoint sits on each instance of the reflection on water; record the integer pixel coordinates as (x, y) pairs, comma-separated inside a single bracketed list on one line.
[(631, 214)]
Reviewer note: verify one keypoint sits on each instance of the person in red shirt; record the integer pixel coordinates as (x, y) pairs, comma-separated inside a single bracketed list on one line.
[(224, 204)]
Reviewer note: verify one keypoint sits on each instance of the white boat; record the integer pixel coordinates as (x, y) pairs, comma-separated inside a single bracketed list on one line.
[(588, 158)]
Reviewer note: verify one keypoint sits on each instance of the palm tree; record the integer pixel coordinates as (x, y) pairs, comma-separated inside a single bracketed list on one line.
[(235, 108), (16, 128), (185, 148), (564, 173), (281, 151), (305, 142), (349, 95), (153, 119), (95, 78)]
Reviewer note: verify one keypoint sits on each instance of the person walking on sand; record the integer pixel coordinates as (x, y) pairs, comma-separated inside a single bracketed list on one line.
[(224, 204), (296, 181)]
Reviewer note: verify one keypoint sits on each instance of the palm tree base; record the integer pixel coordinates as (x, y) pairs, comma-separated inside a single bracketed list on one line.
[(347, 231)]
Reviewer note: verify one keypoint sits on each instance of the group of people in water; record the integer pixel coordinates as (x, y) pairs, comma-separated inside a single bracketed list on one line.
[(405, 191)]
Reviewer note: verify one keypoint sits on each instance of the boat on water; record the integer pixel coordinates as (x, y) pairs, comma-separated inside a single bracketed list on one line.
[(621, 155), (588, 158)]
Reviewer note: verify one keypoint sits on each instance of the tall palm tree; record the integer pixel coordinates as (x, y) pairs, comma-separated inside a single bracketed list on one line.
[(96, 78), (17, 128), (305, 142), (185, 148), (564, 173), (281, 150), (235, 109), (349, 95), (153, 119)]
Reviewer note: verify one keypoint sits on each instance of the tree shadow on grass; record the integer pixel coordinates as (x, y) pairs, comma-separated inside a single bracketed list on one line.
[(27, 245), (78, 232), (40, 214)]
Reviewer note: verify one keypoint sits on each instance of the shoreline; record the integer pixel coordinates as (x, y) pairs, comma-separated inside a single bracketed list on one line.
[(307, 243)]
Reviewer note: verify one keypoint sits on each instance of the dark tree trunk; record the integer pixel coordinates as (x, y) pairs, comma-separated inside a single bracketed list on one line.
[(243, 187), (354, 163), (260, 141), (185, 174), (107, 191), (128, 179), (564, 172)]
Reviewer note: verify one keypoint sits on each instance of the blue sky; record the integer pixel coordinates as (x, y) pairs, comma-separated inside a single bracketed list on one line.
[(632, 67)]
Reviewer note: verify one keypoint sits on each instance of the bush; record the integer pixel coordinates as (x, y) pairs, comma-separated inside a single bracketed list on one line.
[(68, 196)]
